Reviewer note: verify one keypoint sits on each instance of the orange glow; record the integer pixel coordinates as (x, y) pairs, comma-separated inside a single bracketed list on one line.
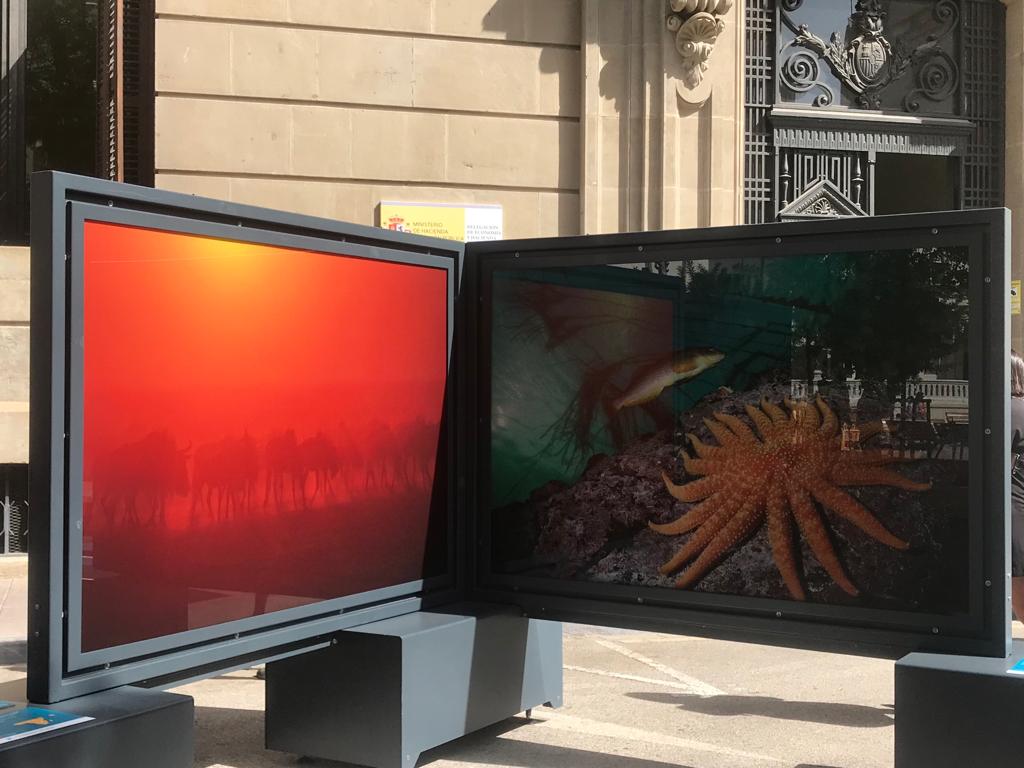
[(247, 403)]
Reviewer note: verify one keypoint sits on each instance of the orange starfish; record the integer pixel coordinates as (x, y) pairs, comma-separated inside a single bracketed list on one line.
[(797, 460)]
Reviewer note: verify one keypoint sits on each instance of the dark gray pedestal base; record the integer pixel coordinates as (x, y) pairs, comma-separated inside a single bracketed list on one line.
[(959, 711), (133, 728), (390, 690)]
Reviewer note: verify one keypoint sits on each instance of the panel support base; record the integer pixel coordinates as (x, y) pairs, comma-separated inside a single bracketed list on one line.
[(388, 691), (132, 727), (956, 711)]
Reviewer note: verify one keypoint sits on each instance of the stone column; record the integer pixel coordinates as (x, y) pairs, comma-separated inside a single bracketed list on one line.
[(660, 149), (1015, 149)]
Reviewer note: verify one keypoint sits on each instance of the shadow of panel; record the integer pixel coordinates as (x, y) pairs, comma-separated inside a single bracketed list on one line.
[(235, 737), (826, 713)]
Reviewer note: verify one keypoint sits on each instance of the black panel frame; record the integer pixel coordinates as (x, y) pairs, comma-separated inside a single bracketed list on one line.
[(986, 629), (57, 668)]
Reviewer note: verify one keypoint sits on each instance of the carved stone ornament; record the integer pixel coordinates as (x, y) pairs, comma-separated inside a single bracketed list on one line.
[(822, 199), (696, 25)]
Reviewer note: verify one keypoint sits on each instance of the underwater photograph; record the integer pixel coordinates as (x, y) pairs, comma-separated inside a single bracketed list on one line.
[(790, 427)]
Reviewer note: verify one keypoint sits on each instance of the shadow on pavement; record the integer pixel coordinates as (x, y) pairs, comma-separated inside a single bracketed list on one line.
[(13, 654), (827, 713), (486, 748), (235, 737)]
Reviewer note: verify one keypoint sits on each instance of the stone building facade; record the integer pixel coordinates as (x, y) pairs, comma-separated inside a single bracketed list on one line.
[(565, 112), (576, 116)]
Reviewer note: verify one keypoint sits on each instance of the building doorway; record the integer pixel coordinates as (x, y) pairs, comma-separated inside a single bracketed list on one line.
[(934, 183)]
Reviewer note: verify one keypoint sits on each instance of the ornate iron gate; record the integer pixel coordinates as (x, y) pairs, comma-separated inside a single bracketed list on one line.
[(759, 96), (831, 86)]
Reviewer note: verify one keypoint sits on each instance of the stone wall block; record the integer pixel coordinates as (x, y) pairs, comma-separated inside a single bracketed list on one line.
[(272, 62), (356, 68), (14, 285), (14, 372), (14, 432), (401, 146), (192, 57), (321, 141), (529, 21), (477, 76), (388, 15), (505, 151), (258, 10), (222, 136), (299, 196), (214, 187)]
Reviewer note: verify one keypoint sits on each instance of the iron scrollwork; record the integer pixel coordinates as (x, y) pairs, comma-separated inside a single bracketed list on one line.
[(867, 62), (800, 73)]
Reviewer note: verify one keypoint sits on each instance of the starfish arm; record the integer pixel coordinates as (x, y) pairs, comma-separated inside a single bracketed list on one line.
[(761, 421), (814, 532), (873, 475), (698, 541), (695, 491), (739, 428), (735, 533), (702, 449), (776, 414), (694, 517), (780, 535), (844, 505), (701, 466), (721, 432), (829, 422)]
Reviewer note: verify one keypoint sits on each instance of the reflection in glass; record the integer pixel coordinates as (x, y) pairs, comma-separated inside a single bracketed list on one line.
[(793, 428), (260, 429)]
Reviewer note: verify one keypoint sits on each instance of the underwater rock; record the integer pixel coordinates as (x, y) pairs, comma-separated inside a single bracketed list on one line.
[(596, 529), (614, 497)]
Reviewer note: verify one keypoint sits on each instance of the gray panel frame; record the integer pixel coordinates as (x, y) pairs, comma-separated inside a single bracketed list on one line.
[(58, 669), (983, 631)]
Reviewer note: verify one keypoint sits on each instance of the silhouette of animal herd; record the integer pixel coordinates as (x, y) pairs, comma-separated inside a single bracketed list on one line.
[(233, 476)]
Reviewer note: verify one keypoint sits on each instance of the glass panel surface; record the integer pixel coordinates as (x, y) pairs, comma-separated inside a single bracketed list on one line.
[(261, 426), (791, 428)]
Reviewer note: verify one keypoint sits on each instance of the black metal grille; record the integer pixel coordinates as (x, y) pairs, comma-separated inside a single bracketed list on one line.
[(759, 85), (14, 508), (106, 85), (802, 168), (982, 41), (983, 65), (125, 85), (13, 206)]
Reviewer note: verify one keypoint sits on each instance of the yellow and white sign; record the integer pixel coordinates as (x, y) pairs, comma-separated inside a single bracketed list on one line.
[(1015, 297), (468, 223)]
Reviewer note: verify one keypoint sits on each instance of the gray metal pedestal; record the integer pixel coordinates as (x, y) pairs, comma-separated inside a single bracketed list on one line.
[(390, 690), (959, 711), (131, 728)]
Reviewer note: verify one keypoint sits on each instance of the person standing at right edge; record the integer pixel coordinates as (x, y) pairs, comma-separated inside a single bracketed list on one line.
[(1017, 483)]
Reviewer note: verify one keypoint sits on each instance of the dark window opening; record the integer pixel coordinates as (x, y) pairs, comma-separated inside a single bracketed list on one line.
[(916, 183), (60, 108), (77, 96)]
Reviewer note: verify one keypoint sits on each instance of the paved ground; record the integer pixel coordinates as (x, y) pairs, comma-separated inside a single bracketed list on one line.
[(632, 701)]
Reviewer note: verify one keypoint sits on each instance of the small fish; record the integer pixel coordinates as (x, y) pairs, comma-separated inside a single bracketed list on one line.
[(681, 365)]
